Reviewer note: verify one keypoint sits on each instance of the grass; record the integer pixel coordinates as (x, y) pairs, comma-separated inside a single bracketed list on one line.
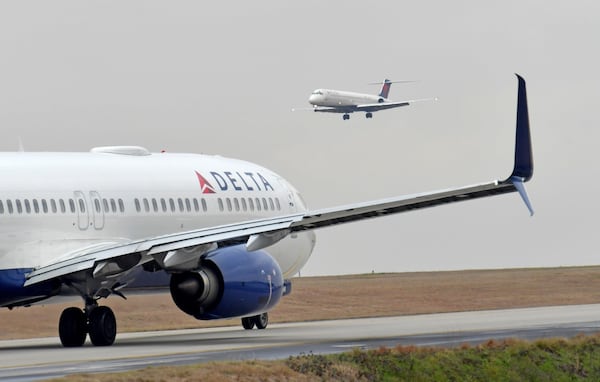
[(576, 359), (332, 297)]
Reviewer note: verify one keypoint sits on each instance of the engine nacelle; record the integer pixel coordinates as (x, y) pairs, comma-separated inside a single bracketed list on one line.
[(232, 282)]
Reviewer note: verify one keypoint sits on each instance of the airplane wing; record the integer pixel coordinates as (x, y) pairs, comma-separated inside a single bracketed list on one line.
[(107, 261)]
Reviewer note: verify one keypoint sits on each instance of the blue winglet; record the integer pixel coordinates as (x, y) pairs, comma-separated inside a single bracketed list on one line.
[(523, 168)]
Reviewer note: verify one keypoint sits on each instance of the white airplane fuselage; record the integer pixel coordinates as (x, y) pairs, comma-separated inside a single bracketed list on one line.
[(55, 203), (335, 98)]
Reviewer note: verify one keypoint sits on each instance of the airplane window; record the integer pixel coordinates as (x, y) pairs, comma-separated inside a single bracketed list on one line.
[(72, 205), (204, 207), (1, 207), (188, 206), (277, 204), (180, 204), (105, 205), (27, 206), (172, 204), (97, 205), (251, 204), (146, 205), (265, 206), (271, 204), (19, 207), (196, 206), (9, 206), (113, 205), (121, 206), (228, 204), (244, 205), (154, 205), (53, 205), (44, 206), (63, 208), (81, 205), (163, 204), (137, 205), (236, 203), (257, 204), (36, 206), (220, 205)]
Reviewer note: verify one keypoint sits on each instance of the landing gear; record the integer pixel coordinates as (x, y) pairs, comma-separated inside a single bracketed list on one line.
[(346, 116), (98, 321), (261, 321), (369, 115)]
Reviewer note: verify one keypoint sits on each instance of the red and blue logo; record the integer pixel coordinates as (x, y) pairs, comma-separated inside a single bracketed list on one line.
[(234, 181)]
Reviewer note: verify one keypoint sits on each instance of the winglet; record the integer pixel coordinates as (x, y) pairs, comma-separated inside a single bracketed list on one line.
[(523, 168)]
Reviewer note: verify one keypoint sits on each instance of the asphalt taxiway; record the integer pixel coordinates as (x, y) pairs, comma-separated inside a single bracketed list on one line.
[(42, 358)]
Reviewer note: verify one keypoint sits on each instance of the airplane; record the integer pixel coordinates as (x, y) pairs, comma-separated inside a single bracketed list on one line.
[(338, 101), (227, 234)]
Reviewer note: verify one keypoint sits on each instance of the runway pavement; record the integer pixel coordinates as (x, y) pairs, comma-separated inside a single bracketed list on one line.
[(25, 360)]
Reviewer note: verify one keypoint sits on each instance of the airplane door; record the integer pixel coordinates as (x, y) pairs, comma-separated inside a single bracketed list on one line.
[(97, 211), (83, 217)]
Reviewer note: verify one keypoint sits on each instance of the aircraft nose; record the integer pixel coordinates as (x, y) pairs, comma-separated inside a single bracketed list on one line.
[(314, 99)]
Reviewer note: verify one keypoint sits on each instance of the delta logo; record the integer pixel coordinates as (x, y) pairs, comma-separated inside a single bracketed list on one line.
[(233, 181)]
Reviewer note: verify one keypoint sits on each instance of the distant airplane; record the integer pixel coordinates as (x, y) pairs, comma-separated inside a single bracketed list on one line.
[(338, 101), (226, 234)]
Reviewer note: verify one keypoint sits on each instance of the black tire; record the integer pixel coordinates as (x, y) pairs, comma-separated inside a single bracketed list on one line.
[(262, 320), (72, 327), (248, 323), (103, 326)]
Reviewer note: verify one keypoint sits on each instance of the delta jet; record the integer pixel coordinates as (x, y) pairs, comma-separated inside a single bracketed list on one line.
[(339, 101), (227, 234)]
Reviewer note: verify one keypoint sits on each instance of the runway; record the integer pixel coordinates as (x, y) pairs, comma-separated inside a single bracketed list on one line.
[(24, 360)]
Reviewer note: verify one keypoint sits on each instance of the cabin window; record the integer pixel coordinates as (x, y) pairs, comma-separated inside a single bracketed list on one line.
[(163, 204), (265, 206), (137, 204), (271, 204), (97, 206), (146, 205), (188, 206), (121, 205), (258, 208), (63, 208), (72, 205), (9, 206), (244, 205), (236, 204), (19, 206), (27, 206), (154, 205), (113, 206), (277, 204), (228, 204), (81, 206), (196, 206), (36, 206), (1, 207), (180, 204), (220, 204), (44, 206), (204, 207), (251, 204), (172, 204)]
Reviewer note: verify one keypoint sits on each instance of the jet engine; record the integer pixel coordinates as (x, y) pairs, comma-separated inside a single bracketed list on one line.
[(231, 282)]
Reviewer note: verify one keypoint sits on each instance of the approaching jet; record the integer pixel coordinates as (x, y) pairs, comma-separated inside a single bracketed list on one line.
[(226, 234), (338, 101)]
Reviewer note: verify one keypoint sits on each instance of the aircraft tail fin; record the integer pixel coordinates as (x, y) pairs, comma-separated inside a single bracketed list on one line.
[(385, 88)]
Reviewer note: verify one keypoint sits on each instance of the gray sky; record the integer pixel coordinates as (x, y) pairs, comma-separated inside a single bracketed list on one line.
[(222, 77)]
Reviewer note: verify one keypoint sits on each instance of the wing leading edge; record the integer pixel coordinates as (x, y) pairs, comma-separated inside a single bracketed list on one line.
[(265, 232)]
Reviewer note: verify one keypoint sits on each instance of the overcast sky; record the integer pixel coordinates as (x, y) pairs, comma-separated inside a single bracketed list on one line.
[(222, 78)]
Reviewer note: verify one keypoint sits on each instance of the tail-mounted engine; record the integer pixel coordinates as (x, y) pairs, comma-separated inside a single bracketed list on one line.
[(231, 282)]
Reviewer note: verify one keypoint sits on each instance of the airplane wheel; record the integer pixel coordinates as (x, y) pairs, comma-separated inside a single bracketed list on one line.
[(346, 116), (103, 326), (72, 327), (248, 323), (369, 115), (262, 320)]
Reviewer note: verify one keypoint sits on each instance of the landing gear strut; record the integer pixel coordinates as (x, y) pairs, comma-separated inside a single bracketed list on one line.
[(97, 321), (261, 321)]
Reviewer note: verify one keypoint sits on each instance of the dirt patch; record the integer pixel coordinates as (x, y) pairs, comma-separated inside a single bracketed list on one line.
[(332, 297)]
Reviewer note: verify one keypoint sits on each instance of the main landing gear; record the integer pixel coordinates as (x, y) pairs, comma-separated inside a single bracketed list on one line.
[(346, 116), (97, 321), (369, 115), (261, 321)]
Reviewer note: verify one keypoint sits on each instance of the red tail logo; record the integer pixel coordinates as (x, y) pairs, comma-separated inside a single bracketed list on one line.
[(206, 187)]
